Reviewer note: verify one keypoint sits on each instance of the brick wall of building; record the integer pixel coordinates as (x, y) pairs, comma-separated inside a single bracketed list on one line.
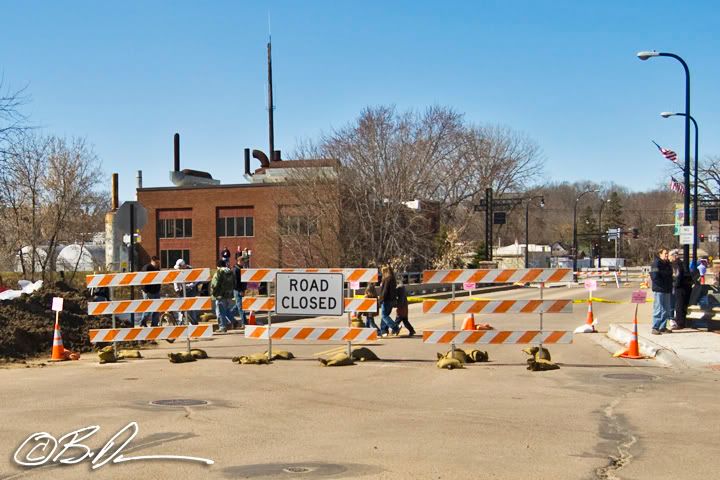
[(206, 204)]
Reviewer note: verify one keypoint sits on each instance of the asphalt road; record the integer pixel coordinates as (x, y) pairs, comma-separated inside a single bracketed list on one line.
[(596, 417)]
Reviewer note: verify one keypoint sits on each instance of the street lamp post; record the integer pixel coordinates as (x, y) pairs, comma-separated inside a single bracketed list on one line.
[(574, 248), (686, 171), (600, 229), (695, 188), (527, 209)]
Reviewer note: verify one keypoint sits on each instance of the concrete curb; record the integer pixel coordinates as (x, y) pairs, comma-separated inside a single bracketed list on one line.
[(622, 335)]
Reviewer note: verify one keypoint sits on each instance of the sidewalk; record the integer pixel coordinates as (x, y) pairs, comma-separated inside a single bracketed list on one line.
[(688, 347)]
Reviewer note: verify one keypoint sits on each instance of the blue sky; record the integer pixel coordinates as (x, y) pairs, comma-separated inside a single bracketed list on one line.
[(128, 75)]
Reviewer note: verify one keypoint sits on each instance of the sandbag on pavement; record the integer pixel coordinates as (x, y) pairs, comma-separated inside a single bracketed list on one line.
[(339, 360)]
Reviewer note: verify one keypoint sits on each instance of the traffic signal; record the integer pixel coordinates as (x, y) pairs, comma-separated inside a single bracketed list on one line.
[(702, 237), (635, 232)]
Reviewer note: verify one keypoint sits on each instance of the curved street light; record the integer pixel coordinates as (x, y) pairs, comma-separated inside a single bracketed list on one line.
[(695, 188), (574, 247), (645, 55)]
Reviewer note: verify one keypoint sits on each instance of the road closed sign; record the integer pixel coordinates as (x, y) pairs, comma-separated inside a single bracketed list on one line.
[(309, 294)]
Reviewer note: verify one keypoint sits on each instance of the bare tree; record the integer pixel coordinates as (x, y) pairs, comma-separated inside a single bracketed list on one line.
[(47, 196), (12, 121), (403, 175)]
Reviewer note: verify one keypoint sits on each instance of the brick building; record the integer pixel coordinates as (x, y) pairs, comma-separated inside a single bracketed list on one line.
[(196, 222)]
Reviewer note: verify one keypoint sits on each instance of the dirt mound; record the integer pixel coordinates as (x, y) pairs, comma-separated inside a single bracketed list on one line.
[(26, 323)]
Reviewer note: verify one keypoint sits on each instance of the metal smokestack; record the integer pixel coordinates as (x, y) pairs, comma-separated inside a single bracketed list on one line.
[(139, 179), (115, 199), (177, 151), (247, 161), (271, 107)]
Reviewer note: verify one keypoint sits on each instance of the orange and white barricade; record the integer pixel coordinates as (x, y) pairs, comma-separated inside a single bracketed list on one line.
[(602, 275), (512, 275), (150, 333), (117, 307), (148, 278), (313, 334), (519, 275), (496, 337), (267, 304), (497, 306), (260, 275), (351, 305), (157, 305)]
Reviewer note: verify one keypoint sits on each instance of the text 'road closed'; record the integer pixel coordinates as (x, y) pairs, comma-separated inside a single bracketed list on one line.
[(309, 294)]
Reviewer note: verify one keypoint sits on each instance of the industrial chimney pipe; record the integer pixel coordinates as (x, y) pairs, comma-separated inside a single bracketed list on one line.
[(177, 152), (115, 200)]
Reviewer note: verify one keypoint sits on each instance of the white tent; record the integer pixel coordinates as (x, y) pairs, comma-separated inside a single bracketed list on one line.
[(86, 258), (26, 257)]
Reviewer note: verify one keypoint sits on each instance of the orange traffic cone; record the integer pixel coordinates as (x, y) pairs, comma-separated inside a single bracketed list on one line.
[(633, 350), (251, 319), (58, 350), (589, 320), (469, 323)]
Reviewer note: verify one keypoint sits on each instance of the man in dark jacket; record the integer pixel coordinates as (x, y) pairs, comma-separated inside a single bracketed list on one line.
[(661, 274), (682, 284), (151, 292), (221, 290)]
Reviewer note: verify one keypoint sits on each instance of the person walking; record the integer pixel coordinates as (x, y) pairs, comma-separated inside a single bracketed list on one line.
[(682, 284), (371, 292), (221, 290), (190, 290), (661, 274), (387, 300), (239, 288), (151, 292), (402, 311)]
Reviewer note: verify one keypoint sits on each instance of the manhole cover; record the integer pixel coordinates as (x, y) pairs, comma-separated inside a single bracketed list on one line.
[(178, 402), (629, 376), (297, 469)]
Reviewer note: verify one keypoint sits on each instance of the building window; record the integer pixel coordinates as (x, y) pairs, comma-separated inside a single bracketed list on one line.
[(169, 257), (297, 225), (235, 227), (174, 228)]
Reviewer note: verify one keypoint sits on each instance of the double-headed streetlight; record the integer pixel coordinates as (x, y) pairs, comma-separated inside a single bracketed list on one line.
[(686, 170), (528, 201), (574, 247), (695, 188)]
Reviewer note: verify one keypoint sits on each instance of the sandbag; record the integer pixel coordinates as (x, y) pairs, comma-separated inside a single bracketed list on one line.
[(477, 355), (364, 354), (541, 365), (125, 354), (540, 359), (539, 353), (449, 363), (339, 360), (107, 355), (207, 317), (358, 324), (281, 355), (254, 359), (198, 353), (458, 355), (182, 357)]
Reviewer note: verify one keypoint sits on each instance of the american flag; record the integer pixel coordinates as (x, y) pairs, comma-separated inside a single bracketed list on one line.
[(669, 154), (676, 186)]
